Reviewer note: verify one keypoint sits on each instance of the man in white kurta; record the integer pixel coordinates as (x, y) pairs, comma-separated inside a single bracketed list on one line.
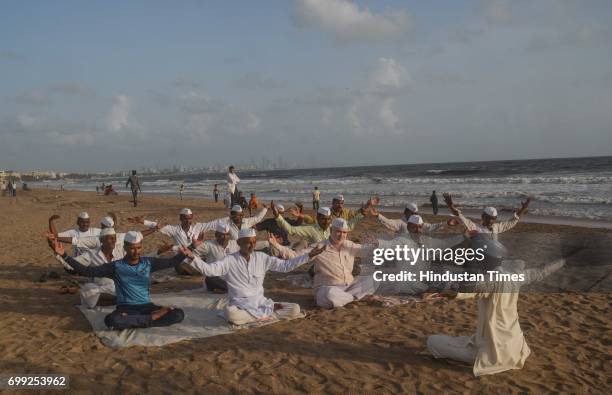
[(109, 249), (244, 272), (489, 224), (236, 221), (400, 226), (83, 229), (232, 183), (498, 344)]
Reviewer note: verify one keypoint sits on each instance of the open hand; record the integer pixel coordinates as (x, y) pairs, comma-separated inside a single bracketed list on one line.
[(316, 251)]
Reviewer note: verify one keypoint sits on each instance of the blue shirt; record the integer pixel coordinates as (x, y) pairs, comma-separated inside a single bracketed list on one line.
[(132, 281)]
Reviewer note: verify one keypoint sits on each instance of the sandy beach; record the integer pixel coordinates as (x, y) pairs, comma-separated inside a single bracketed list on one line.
[(364, 348)]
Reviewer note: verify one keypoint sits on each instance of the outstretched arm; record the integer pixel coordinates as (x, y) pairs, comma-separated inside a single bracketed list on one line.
[(279, 265), (105, 270), (165, 263)]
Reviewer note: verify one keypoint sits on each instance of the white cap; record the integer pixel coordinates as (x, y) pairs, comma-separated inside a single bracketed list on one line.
[(340, 223), (490, 211), (185, 211), (107, 232), (247, 232), (415, 219), (339, 197), (84, 215), (133, 237), (236, 208), (412, 207), (222, 227), (280, 208), (324, 211), (107, 222)]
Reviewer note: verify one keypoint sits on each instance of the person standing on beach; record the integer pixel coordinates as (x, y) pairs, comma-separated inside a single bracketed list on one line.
[(134, 185), (316, 198), (216, 193), (181, 189), (489, 224), (434, 202), (232, 185)]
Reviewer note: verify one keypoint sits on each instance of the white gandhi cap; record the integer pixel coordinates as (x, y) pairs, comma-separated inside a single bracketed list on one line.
[(415, 219), (280, 208), (185, 211), (340, 224), (107, 222), (236, 209), (133, 237), (412, 207), (490, 211), (247, 232), (324, 211), (339, 197), (222, 228), (84, 215), (107, 232)]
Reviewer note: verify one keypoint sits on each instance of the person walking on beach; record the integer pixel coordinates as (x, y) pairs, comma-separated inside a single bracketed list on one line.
[(14, 188), (181, 189), (253, 203), (316, 198), (232, 185), (216, 193), (434, 202), (134, 185)]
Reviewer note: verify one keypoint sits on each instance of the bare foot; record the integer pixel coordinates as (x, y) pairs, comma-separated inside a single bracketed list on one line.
[(157, 314)]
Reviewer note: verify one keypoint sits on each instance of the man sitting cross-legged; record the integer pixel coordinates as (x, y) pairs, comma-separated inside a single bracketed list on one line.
[(244, 273), (132, 278)]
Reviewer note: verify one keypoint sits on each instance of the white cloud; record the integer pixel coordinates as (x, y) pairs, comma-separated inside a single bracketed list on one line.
[(346, 22), (389, 75), (118, 118), (372, 111)]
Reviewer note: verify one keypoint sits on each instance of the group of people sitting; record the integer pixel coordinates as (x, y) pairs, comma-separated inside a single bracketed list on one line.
[(236, 262)]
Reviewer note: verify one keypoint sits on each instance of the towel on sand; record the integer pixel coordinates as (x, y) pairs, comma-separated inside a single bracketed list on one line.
[(203, 318)]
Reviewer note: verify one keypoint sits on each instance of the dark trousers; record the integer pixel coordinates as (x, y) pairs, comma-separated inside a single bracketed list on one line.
[(216, 197), (315, 205), (139, 316), (215, 283), (435, 208), (135, 197)]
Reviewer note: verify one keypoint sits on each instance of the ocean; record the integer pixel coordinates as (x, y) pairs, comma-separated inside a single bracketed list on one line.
[(572, 187)]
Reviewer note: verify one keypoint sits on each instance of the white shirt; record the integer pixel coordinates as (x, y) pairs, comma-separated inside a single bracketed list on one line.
[(211, 251), (76, 233), (185, 238), (245, 279), (401, 225), (246, 223), (232, 181), (92, 243), (497, 227)]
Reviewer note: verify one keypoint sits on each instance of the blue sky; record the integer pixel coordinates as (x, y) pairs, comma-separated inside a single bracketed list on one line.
[(116, 85)]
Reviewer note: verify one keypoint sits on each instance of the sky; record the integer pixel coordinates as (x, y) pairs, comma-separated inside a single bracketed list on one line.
[(110, 85)]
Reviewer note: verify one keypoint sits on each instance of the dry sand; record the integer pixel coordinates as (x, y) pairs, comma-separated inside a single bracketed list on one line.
[(360, 349)]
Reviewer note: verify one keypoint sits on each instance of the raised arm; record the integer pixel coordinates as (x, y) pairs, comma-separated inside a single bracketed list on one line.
[(303, 231), (249, 222), (396, 225)]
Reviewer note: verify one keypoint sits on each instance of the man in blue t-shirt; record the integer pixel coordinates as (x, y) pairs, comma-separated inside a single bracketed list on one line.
[(132, 279)]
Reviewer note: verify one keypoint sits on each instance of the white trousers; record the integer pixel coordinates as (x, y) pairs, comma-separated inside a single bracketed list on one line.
[(237, 316), (332, 296), (458, 348), (90, 292)]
